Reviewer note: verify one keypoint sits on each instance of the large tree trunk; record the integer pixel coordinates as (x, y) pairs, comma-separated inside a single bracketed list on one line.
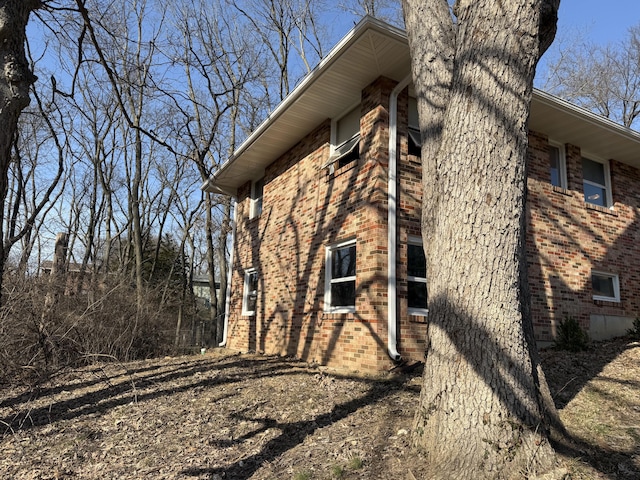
[(484, 409), (15, 80)]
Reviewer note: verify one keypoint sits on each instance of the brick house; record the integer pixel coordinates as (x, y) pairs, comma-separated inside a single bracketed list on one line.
[(327, 263)]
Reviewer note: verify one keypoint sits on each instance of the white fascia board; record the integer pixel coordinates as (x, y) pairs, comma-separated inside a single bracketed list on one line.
[(368, 23), (585, 115)]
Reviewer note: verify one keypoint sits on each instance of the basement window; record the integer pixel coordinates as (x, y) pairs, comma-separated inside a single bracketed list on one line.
[(606, 286)]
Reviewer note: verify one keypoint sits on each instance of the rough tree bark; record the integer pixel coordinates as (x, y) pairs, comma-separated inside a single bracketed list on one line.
[(56, 284), (484, 410), (15, 80)]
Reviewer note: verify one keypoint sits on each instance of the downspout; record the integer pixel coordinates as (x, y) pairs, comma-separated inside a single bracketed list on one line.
[(227, 306), (392, 299)]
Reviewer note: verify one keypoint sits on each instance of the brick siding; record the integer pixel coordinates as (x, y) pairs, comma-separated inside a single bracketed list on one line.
[(568, 238), (307, 207)]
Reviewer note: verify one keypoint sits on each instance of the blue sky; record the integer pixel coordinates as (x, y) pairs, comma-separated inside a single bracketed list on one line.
[(600, 20), (589, 21)]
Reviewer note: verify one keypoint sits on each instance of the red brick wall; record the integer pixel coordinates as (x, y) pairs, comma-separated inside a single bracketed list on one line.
[(569, 238), (307, 208), (412, 328)]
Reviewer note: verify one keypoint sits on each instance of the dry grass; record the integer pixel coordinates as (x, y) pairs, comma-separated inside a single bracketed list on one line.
[(224, 416), (598, 393)]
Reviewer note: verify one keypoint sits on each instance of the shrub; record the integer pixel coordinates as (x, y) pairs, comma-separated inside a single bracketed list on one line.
[(570, 336), (80, 328), (634, 331)]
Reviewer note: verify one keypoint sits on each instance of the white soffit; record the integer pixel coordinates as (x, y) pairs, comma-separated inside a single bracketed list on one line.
[(568, 123), (373, 49)]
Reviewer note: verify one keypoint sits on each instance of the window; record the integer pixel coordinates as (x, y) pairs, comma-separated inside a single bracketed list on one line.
[(415, 142), (347, 152), (346, 139), (340, 280), (257, 191), (413, 113), (250, 294), (596, 183), (606, 286), (557, 165), (416, 277)]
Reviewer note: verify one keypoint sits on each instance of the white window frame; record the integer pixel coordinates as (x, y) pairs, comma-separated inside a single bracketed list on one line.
[(416, 241), (346, 145), (257, 202), (616, 286), (562, 163), (607, 180), (344, 149), (328, 307), (247, 292), (413, 127)]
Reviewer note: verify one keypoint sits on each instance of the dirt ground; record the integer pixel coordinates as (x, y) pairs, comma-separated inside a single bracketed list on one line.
[(228, 416)]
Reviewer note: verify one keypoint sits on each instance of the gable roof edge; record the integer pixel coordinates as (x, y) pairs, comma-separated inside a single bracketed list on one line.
[(367, 23)]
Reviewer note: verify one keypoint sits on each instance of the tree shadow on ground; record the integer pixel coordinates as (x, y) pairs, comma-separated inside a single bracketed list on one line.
[(224, 378), (272, 433), (291, 434), (584, 366), (99, 376), (568, 373), (130, 389)]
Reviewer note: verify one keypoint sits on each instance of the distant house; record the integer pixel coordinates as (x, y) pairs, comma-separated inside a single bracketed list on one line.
[(327, 261), (201, 288), (73, 274), (72, 268)]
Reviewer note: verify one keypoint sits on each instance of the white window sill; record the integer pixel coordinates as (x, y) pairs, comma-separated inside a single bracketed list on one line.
[(599, 208), (340, 310), (606, 299)]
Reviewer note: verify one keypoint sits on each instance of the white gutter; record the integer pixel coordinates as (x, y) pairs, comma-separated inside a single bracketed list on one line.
[(392, 297), (585, 115), (227, 306), (366, 24)]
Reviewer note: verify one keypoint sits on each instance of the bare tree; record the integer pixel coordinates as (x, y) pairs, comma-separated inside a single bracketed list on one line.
[(485, 410), (125, 46), (92, 136), (284, 27), (15, 79), (388, 10), (127, 105), (602, 78), (222, 67), (36, 179)]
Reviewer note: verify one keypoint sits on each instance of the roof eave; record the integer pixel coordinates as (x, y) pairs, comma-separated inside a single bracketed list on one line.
[(368, 23), (555, 117)]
